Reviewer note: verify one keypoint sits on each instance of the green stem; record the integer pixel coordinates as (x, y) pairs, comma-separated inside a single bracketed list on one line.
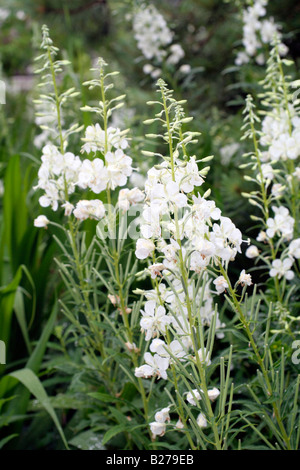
[(258, 357)]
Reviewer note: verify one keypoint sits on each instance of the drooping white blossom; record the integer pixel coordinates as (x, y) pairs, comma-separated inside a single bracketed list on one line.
[(41, 221)]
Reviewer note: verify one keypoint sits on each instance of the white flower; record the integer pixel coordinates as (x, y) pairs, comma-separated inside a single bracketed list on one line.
[(278, 149), (155, 269), (156, 73), (213, 394), (155, 366), (252, 252), (168, 194), (256, 32), (198, 262), (41, 221), (245, 279), (144, 248), (282, 268), (294, 248), (281, 224), (93, 175), (96, 139), (293, 146), (161, 348), (242, 58), (221, 284), (176, 54), (188, 176), (154, 319), (201, 421), (185, 68), (68, 208), (228, 151), (262, 236), (57, 175), (128, 197), (93, 209), (267, 171), (226, 238), (277, 189), (151, 32), (193, 396), (148, 68), (163, 415), (118, 167), (179, 424), (170, 251), (157, 428), (205, 210)]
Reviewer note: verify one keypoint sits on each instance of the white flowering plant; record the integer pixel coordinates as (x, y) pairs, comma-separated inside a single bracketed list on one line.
[(155, 40), (164, 343)]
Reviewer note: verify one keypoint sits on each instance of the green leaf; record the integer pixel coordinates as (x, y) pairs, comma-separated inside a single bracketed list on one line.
[(113, 432), (104, 397), (5, 440), (21, 317), (88, 440), (7, 299), (20, 404), (28, 378)]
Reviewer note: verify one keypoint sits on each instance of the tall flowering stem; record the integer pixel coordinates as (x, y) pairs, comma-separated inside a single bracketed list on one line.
[(276, 145), (114, 252), (52, 68), (178, 234), (166, 96), (62, 176)]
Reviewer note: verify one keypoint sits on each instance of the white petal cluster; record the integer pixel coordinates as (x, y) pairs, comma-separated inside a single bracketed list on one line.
[(95, 139), (282, 224), (179, 226), (158, 427), (92, 175), (118, 168), (153, 38), (57, 176), (221, 284), (156, 366), (194, 396), (282, 269), (151, 32), (154, 319), (257, 32), (115, 169), (89, 209), (129, 197), (207, 240), (294, 249), (245, 279), (176, 54), (281, 134)]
